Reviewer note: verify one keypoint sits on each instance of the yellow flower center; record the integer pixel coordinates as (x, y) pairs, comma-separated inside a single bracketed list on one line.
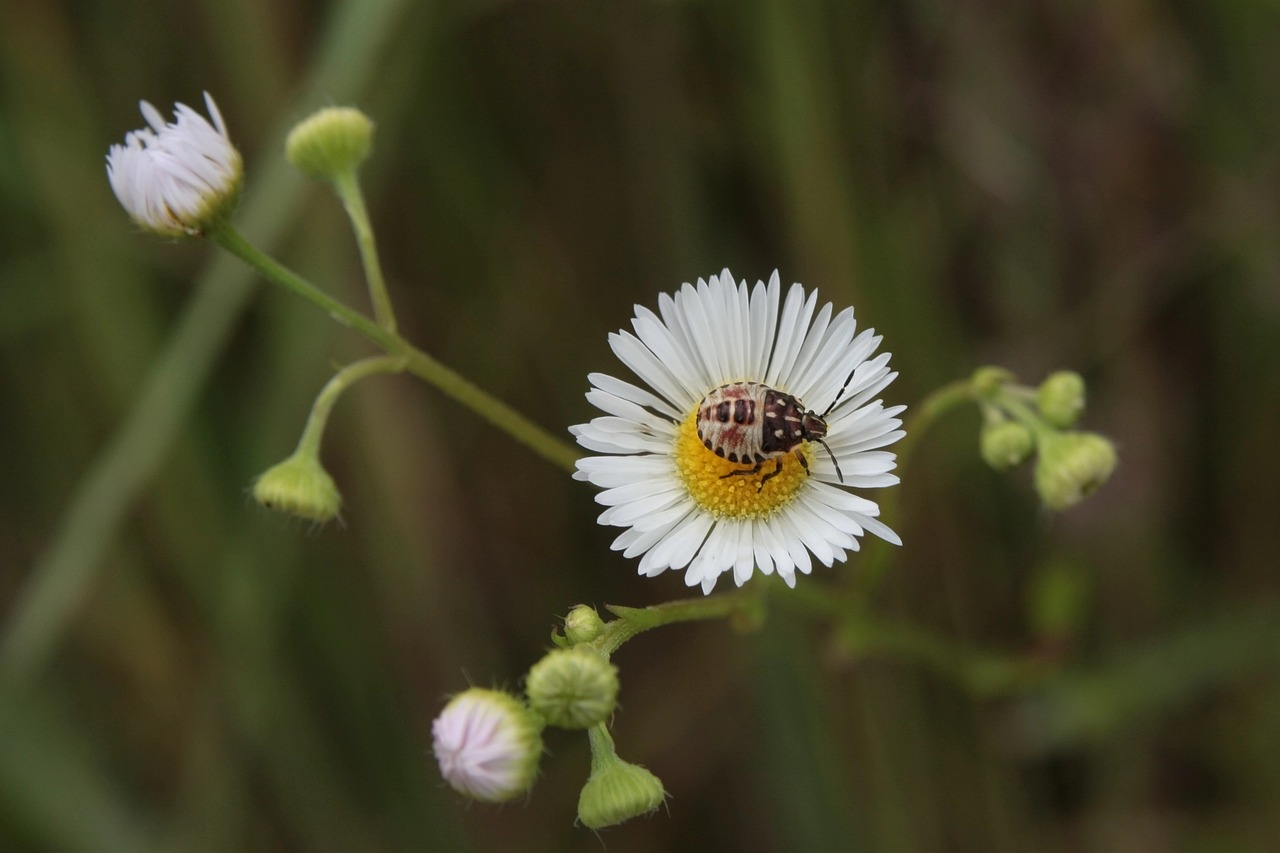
[(728, 489)]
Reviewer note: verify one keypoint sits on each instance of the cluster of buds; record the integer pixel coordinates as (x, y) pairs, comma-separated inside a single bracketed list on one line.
[(183, 178), (488, 742), (1019, 421)]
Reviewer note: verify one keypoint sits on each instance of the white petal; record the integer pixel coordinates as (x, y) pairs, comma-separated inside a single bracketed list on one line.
[(673, 354), (639, 415), (635, 355), (635, 394), (625, 515), (796, 312)]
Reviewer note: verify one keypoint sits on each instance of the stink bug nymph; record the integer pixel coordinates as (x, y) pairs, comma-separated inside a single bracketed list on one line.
[(750, 423)]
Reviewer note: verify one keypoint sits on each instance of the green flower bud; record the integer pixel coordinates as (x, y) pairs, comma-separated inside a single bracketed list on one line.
[(582, 625), (1061, 398), (299, 486), (1072, 466), (487, 744), (988, 381), (1006, 444), (332, 141), (617, 790), (573, 688)]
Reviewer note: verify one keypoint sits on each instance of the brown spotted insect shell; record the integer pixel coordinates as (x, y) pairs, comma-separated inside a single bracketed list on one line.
[(749, 423)]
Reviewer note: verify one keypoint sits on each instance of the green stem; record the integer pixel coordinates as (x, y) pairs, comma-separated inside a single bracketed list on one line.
[(341, 381), (417, 362), (234, 242), (348, 188), (745, 603), (603, 750)]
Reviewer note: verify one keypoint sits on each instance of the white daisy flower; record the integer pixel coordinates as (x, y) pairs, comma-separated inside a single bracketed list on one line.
[(782, 394), (176, 178)]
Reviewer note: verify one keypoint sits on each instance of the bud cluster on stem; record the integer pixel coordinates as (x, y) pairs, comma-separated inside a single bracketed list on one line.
[(1019, 421)]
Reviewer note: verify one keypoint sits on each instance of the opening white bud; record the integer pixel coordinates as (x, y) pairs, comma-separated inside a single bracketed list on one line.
[(181, 178)]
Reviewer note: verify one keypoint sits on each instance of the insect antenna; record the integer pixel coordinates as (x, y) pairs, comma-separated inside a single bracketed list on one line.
[(840, 394), (833, 457)]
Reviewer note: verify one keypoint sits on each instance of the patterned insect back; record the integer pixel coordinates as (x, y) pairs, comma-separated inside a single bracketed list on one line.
[(750, 423), (729, 421)]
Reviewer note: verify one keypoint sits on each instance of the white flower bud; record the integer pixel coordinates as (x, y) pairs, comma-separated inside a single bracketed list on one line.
[(488, 745), (180, 178)]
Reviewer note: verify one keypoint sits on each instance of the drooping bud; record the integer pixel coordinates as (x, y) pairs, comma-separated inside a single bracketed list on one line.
[(1071, 466), (1060, 398), (487, 744), (573, 688), (301, 487), (617, 790), (330, 142)]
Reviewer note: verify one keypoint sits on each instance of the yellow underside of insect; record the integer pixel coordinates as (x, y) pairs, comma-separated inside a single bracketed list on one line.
[(727, 489)]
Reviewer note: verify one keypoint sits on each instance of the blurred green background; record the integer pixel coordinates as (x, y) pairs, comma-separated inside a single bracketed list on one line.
[(1090, 185)]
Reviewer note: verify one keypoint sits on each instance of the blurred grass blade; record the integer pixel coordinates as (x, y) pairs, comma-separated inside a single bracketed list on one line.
[(46, 766)]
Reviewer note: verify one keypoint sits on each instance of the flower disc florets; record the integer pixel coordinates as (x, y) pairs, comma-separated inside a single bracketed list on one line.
[(180, 178), (683, 505)]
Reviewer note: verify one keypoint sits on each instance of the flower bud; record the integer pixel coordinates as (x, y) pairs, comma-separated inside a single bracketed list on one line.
[(1071, 466), (332, 141), (1061, 398), (573, 688), (176, 179), (299, 486), (1006, 444), (987, 381), (487, 744), (582, 625), (616, 790)]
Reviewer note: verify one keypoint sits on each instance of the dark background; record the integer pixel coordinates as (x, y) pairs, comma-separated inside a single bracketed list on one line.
[(1090, 185)]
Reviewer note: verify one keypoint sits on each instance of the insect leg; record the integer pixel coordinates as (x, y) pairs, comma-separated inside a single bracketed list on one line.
[(744, 471), (777, 469)]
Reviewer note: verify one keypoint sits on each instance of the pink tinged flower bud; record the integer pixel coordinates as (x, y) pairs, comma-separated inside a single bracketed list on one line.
[(180, 178), (487, 744)]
